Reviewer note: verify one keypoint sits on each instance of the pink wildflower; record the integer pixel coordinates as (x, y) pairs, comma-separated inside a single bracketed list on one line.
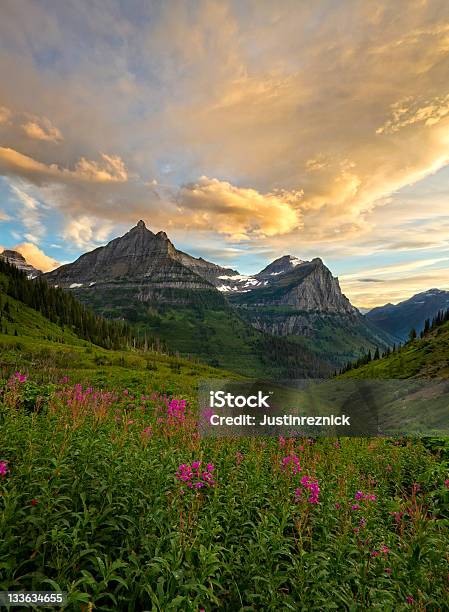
[(410, 600), (3, 468), (238, 457), (312, 486), (291, 463), (446, 483), (358, 495), (193, 478), (355, 507)]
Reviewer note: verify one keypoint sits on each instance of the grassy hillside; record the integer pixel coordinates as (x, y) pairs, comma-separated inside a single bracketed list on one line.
[(425, 357), (201, 324), (31, 342)]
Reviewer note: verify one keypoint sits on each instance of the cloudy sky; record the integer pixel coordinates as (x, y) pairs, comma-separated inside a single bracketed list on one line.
[(246, 130)]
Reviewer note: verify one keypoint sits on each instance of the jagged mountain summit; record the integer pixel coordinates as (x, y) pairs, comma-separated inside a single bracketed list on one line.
[(141, 256), (138, 255), (305, 285), (399, 319), (282, 265), (17, 259)]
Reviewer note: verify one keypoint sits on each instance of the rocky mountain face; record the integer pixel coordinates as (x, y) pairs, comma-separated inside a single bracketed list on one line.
[(290, 297), (139, 255), (308, 286), (399, 319), (17, 259), (140, 260), (303, 300)]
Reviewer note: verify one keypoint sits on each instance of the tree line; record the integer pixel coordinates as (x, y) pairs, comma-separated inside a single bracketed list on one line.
[(62, 308), (429, 325)]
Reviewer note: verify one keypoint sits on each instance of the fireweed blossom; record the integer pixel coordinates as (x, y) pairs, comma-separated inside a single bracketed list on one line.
[(3, 468), (85, 400), (310, 485), (360, 496), (175, 417), (15, 380), (195, 476), (290, 464)]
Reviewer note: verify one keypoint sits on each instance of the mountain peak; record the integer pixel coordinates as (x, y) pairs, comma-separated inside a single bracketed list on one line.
[(18, 260), (281, 265), (141, 224), (15, 255)]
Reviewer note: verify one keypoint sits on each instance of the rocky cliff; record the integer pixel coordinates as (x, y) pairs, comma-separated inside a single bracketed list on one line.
[(16, 259), (307, 286)]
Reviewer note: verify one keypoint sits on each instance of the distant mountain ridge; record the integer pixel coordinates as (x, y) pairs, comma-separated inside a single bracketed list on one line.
[(141, 276), (399, 319)]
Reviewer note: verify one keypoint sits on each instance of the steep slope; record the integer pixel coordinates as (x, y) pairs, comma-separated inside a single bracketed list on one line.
[(142, 278), (305, 304), (399, 319), (422, 358), (31, 343), (18, 260)]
